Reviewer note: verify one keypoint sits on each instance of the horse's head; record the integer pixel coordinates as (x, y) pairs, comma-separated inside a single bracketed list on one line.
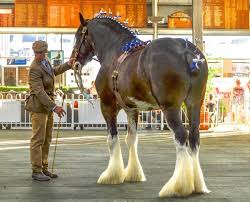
[(83, 49)]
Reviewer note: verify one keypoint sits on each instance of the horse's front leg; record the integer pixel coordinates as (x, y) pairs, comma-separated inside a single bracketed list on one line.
[(114, 174), (134, 171), (182, 182)]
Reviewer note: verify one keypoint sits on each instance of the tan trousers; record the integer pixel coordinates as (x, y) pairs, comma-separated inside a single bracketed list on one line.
[(42, 126)]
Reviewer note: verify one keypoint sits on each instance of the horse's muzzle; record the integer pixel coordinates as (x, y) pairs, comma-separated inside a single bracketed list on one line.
[(77, 65)]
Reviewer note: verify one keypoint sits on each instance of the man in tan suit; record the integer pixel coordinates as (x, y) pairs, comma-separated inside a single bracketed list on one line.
[(41, 106)]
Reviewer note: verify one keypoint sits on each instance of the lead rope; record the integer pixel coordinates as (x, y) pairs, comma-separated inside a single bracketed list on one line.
[(57, 135), (78, 79)]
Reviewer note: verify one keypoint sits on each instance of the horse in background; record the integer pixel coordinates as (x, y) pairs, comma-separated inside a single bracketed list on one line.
[(144, 76)]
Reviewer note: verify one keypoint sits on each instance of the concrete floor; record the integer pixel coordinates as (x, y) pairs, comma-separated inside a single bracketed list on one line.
[(83, 155)]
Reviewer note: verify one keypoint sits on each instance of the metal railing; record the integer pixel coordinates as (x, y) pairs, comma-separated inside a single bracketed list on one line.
[(80, 114)]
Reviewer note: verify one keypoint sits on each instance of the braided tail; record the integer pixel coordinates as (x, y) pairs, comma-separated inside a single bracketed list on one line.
[(193, 58)]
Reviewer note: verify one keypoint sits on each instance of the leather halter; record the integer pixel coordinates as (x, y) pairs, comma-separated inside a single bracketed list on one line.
[(77, 50)]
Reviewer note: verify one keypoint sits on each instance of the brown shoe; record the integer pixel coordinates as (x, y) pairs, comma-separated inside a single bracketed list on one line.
[(49, 174), (40, 176)]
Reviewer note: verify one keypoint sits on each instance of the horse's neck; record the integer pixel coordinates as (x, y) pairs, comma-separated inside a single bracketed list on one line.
[(109, 46), (109, 52)]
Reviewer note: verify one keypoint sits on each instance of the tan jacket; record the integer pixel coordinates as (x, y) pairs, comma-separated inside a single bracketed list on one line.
[(41, 82)]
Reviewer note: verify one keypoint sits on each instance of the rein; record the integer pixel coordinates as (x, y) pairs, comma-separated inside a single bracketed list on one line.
[(77, 67)]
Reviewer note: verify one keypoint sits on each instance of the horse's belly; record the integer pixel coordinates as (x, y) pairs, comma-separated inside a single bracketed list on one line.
[(142, 105)]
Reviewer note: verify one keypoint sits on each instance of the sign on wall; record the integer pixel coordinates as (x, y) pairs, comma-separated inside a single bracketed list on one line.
[(56, 57), (15, 61)]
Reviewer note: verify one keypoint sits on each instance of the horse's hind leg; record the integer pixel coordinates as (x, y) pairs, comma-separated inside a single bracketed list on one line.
[(114, 174), (182, 181), (134, 171), (194, 144)]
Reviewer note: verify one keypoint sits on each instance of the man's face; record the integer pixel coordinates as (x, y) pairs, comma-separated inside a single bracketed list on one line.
[(40, 56)]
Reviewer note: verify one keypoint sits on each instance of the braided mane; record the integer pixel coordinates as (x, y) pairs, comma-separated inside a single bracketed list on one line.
[(118, 24)]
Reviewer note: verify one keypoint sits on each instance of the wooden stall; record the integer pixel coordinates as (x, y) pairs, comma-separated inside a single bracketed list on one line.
[(23, 75), (217, 14), (6, 17), (10, 76), (63, 13), (214, 14), (179, 20), (90, 8), (31, 13), (226, 14), (131, 11), (237, 14)]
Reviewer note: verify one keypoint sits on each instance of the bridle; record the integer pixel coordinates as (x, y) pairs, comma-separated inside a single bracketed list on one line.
[(77, 67), (77, 50)]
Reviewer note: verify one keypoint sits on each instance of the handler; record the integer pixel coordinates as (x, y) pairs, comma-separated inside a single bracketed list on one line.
[(41, 106)]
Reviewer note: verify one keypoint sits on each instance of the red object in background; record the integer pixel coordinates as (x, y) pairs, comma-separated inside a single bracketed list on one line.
[(217, 90), (204, 121), (76, 104)]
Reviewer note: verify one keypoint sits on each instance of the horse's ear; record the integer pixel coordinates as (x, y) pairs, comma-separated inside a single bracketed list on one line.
[(82, 20)]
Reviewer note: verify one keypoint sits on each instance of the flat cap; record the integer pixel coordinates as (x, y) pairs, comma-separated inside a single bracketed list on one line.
[(40, 46)]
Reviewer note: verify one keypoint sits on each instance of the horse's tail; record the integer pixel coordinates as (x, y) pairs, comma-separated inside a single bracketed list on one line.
[(194, 58)]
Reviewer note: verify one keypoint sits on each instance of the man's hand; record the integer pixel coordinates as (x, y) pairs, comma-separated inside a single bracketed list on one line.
[(71, 61), (60, 112)]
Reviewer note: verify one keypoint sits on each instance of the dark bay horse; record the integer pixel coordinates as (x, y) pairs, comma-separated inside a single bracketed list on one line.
[(139, 76)]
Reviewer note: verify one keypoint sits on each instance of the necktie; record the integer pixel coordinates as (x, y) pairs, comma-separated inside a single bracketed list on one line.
[(48, 67)]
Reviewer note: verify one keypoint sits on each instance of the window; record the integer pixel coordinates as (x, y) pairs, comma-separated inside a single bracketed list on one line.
[(67, 44), (227, 47), (20, 45), (54, 41), (10, 76), (23, 75)]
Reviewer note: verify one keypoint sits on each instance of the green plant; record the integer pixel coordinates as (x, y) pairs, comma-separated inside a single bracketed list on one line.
[(212, 72), (14, 89), (20, 89), (223, 109)]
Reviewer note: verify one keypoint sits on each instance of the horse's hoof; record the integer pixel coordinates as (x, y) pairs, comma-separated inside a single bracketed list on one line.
[(165, 192), (134, 176), (175, 188), (204, 190), (111, 178), (199, 182)]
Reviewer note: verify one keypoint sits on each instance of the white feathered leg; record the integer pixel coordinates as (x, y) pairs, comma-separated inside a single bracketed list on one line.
[(199, 182), (182, 181), (134, 171), (114, 174)]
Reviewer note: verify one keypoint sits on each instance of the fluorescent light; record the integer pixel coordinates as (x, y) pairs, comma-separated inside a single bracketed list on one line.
[(5, 11)]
